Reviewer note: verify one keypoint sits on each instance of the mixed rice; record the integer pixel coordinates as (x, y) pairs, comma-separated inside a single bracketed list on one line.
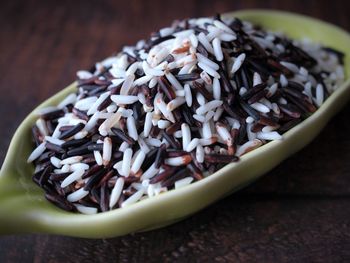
[(176, 108)]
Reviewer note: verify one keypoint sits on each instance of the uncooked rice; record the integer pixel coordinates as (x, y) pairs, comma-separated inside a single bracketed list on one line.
[(176, 108)]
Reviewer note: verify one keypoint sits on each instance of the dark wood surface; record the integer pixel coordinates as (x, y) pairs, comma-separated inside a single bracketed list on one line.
[(299, 212)]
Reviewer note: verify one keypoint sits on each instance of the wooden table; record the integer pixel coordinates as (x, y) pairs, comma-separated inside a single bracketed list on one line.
[(299, 212)]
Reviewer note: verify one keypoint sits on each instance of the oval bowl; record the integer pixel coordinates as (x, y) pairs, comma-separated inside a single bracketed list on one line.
[(24, 209)]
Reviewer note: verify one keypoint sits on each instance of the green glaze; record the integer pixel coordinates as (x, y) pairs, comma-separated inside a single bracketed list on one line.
[(24, 209)]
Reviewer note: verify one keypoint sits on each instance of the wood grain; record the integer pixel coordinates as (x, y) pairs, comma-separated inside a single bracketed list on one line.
[(299, 212)]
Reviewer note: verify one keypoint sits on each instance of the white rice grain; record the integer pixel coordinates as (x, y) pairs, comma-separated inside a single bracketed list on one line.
[(319, 95), (186, 69), (303, 71), (242, 91), (176, 161), (153, 82), (87, 210), (124, 99), (227, 37), (175, 103), (163, 108), (223, 27), (238, 63), (92, 121), (143, 145), (132, 69), (98, 102), (224, 133), (206, 130), (207, 61), (201, 99), (111, 108), (54, 140), (183, 182), (131, 126), (217, 49), (65, 168), (211, 105), (269, 128), (126, 162), (206, 78), (107, 151), (150, 172), (71, 160), (204, 41), (283, 81), (208, 70), (178, 134), (256, 79), (214, 32), (194, 40), (86, 103), (142, 80), (163, 124), (123, 146), (116, 82), (79, 166), (151, 71), (98, 157), (148, 124), (275, 108), (118, 166), (153, 142), (76, 175), (249, 119), (209, 115), (188, 95), (117, 72), (186, 135), (116, 192), (37, 152), (200, 153), (216, 89), (84, 74), (166, 31), (290, 66), (138, 162), (260, 107), (70, 99), (77, 195), (124, 90), (134, 198), (45, 110), (200, 118), (270, 136), (109, 123), (40, 123), (250, 134), (192, 145), (272, 90), (80, 135), (55, 162), (219, 111), (173, 81), (248, 146)]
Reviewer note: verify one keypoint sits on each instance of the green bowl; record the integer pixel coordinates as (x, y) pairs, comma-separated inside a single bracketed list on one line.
[(24, 209)]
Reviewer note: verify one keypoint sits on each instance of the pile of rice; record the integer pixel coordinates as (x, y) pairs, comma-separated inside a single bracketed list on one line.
[(176, 108)]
